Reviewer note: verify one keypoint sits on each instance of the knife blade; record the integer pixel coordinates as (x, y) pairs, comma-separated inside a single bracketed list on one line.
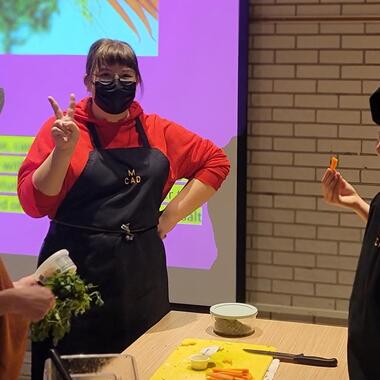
[(296, 358)]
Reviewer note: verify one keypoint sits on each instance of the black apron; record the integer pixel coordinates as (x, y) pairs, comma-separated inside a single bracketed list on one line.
[(364, 311), (108, 223)]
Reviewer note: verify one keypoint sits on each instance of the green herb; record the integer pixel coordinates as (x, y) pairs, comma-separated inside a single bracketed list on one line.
[(73, 298)]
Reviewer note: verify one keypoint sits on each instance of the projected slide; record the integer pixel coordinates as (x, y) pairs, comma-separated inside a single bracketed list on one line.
[(188, 57), (70, 26)]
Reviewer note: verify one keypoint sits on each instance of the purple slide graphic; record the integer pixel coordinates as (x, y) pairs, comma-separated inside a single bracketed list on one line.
[(193, 81)]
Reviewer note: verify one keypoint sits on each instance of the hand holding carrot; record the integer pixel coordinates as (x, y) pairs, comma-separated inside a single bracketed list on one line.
[(333, 163), (336, 190)]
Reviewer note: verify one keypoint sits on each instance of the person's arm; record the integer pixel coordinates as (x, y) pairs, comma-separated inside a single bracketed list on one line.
[(49, 177), (192, 196), (26, 281), (361, 207), (337, 191), (194, 158), (33, 302), (47, 169)]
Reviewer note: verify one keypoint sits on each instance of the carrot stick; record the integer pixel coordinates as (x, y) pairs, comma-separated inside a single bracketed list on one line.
[(236, 373), (231, 372), (220, 376), (246, 376), (217, 375), (333, 163), (239, 370), (235, 377)]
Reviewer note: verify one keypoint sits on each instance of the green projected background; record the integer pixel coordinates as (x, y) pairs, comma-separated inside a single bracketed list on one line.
[(12, 153)]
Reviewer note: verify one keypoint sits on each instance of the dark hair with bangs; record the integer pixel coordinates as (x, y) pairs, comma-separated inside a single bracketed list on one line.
[(111, 52)]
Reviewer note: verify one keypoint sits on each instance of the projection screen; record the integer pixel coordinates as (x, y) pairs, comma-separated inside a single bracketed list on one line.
[(191, 60)]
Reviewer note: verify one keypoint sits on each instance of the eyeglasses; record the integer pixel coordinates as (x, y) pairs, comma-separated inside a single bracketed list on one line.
[(108, 78)]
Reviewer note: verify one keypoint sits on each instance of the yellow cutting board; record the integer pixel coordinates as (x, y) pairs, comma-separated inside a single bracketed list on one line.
[(177, 366)]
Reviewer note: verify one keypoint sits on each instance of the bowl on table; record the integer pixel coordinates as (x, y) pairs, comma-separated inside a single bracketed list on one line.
[(233, 319)]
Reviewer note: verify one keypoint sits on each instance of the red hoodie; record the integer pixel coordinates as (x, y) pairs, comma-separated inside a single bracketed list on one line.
[(189, 155)]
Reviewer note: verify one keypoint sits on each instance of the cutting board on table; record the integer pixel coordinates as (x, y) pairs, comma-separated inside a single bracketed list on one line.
[(178, 367)]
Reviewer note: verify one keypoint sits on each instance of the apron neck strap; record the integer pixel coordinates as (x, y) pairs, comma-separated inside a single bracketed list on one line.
[(141, 133), (94, 136), (139, 129)]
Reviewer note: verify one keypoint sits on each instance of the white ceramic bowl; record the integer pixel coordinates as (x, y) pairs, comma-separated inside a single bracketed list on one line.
[(59, 261), (233, 319)]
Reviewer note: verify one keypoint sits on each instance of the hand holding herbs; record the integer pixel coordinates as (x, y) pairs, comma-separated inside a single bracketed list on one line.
[(31, 301), (73, 298)]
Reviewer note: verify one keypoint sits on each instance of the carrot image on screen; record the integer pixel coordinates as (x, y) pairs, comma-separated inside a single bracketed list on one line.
[(333, 163)]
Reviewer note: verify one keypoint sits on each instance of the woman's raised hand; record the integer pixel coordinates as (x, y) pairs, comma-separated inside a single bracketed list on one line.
[(336, 190), (64, 131)]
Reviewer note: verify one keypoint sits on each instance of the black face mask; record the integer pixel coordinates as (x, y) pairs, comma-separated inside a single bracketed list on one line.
[(114, 97)]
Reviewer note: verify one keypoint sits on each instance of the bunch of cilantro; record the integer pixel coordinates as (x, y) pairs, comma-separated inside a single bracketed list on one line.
[(73, 297)]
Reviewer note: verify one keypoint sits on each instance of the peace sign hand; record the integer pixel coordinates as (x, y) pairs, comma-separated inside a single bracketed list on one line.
[(64, 131)]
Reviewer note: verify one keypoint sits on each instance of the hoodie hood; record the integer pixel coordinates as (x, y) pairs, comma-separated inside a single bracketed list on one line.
[(83, 114)]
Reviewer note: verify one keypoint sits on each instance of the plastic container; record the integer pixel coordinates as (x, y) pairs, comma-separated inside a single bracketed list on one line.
[(199, 362), (94, 367), (60, 260), (233, 319)]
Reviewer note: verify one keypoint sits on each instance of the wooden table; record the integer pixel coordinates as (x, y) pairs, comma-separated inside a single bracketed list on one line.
[(151, 349)]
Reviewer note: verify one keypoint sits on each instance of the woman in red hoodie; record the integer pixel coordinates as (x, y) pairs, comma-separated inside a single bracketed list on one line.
[(100, 172)]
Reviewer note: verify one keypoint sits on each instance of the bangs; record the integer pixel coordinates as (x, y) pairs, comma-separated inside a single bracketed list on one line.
[(113, 54), (106, 52)]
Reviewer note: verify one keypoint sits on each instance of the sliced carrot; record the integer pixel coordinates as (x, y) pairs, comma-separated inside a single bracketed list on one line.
[(232, 373), (220, 376), (236, 373), (246, 376), (242, 370), (217, 375), (333, 163)]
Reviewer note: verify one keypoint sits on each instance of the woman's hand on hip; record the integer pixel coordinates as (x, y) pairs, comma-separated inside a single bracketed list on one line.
[(165, 225), (64, 131)]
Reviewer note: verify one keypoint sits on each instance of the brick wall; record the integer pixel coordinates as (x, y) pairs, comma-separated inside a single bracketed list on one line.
[(312, 66)]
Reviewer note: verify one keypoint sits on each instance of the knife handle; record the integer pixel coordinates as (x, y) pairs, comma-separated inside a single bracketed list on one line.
[(315, 360)]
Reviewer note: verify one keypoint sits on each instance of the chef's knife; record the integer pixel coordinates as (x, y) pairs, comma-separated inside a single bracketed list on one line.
[(296, 358)]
